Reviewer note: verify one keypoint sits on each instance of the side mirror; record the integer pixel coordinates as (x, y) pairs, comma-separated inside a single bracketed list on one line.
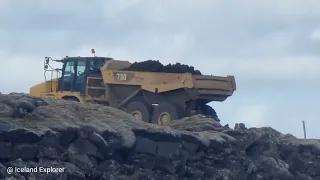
[(47, 60)]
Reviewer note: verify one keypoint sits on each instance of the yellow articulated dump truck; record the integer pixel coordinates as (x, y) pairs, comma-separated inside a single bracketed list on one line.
[(153, 97)]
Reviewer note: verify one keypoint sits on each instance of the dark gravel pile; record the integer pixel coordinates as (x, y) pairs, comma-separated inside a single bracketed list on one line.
[(156, 66), (78, 141)]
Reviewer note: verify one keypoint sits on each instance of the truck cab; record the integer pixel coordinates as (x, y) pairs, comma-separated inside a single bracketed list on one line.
[(70, 80), (75, 71)]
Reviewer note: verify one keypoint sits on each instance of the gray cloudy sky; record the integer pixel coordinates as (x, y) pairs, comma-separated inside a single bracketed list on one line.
[(272, 47)]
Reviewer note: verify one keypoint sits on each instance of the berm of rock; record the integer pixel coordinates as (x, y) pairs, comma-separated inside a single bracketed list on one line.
[(57, 139)]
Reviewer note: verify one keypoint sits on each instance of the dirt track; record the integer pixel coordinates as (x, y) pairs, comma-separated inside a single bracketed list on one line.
[(98, 142)]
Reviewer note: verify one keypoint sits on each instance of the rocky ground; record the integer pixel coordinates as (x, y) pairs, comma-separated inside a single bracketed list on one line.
[(96, 142)]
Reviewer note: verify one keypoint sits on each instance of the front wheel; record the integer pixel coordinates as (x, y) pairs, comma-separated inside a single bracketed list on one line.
[(139, 110), (70, 98)]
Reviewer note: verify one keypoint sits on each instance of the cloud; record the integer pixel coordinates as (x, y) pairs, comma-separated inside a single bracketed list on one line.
[(113, 9), (277, 69), (19, 74), (253, 115), (315, 35), (272, 47), (5, 4)]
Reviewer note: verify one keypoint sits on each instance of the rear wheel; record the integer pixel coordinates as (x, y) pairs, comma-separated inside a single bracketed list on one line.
[(210, 112), (164, 113), (139, 110)]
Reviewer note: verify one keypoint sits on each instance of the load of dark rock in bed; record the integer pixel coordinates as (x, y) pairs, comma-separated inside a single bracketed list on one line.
[(51, 139), (156, 66)]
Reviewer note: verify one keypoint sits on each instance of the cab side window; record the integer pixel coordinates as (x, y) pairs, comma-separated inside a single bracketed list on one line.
[(81, 74), (68, 76)]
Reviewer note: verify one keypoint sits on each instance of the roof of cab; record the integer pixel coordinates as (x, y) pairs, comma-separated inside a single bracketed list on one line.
[(83, 58)]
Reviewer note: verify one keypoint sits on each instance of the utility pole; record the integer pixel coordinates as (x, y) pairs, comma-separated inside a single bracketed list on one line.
[(304, 130)]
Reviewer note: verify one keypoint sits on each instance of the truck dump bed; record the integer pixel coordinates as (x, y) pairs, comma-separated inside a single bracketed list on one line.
[(214, 88), (210, 88)]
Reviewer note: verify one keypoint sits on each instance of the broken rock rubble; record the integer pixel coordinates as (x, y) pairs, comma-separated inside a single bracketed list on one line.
[(98, 142)]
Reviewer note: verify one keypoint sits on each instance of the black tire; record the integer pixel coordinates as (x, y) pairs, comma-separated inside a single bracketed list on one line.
[(140, 107), (210, 112), (174, 111), (70, 98)]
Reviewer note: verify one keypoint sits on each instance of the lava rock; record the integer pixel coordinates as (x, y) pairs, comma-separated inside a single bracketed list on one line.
[(88, 141), (156, 66)]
